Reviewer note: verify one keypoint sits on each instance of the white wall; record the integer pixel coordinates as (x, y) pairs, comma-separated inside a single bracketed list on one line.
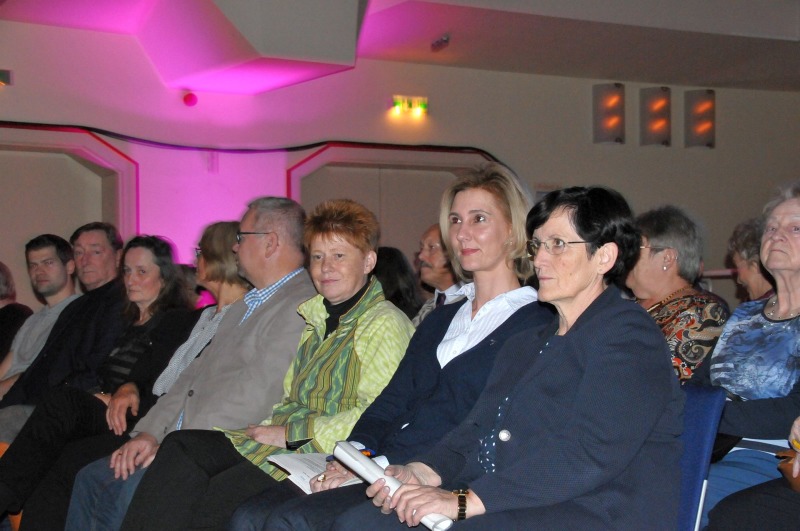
[(41, 193), (539, 125)]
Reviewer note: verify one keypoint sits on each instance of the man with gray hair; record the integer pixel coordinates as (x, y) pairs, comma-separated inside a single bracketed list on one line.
[(84, 333), (238, 377), (50, 267)]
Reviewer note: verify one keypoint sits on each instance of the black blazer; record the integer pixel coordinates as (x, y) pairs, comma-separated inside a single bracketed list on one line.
[(590, 429)]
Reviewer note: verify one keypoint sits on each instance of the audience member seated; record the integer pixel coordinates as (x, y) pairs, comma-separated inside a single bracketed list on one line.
[(50, 266), (352, 344), (435, 271), (189, 274), (12, 313), (743, 248), (450, 356), (240, 373), (577, 417), (756, 360), (398, 280), (772, 505), (72, 427), (664, 282), (83, 334)]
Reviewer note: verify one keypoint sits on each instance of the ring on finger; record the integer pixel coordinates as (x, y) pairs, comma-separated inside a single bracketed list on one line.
[(321, 478)]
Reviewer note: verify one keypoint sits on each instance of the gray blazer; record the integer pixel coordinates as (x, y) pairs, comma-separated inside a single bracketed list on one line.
[(239, 376)]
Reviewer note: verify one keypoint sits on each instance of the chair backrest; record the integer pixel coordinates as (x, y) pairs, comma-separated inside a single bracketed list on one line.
[(701, 414)]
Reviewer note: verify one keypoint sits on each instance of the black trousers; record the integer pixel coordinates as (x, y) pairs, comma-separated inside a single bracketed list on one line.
[(195, 482), (66, 431), (771, 505)]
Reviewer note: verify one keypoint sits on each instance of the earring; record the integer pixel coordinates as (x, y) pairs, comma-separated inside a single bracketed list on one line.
[(664, 268)]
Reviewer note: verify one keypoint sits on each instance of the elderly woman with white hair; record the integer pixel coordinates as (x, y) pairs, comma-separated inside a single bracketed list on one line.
[(757, 360), (664, 283)]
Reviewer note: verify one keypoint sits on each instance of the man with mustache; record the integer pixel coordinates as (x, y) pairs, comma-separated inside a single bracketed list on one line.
[(435, 271)]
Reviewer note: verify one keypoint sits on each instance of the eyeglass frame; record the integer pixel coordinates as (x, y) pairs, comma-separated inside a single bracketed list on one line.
[(240, 233), (532, 252), (198, 252)]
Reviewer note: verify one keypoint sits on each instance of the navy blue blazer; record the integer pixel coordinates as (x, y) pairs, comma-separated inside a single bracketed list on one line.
[(588, 432), (424, 401)]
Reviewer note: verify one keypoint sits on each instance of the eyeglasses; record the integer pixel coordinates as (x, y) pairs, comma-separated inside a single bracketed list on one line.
[(554, 246), (656, 248), (198, 252), (240, 233)]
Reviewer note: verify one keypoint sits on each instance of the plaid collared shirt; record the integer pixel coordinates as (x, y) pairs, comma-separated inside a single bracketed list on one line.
[(256, 297)]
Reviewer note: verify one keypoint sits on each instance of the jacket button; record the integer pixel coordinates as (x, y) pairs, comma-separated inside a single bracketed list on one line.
[(191, 392), (504, 435)]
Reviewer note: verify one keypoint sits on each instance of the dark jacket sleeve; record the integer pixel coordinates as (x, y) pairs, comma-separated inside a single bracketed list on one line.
[(11, 319), (765, 418), (99, 334)]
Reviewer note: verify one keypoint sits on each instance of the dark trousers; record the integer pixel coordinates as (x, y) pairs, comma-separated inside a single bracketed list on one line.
[(65, 432), (771, 505), (195, 482), (300, 513), (566, 515)]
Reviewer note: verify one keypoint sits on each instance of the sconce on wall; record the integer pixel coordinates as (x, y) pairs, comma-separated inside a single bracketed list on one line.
[(700, 118), (413, 105), (608, 113), (655, 116), (5, 77)]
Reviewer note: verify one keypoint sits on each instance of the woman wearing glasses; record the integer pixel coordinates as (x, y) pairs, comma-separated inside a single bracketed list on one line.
[(664, 283), (577, 417)]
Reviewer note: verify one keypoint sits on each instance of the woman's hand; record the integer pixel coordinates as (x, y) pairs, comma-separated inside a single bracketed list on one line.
[(272, 435), (335, 474), (410, 474), (127, 396), (413, 502), (139, 451)]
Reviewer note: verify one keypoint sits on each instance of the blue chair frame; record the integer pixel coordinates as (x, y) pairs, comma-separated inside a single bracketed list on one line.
[(701, 414)]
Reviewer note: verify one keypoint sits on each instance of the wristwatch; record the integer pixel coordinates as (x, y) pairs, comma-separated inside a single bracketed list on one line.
[(462, 503)]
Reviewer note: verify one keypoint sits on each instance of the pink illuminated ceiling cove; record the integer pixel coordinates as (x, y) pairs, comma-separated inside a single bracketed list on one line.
[(191, 43)]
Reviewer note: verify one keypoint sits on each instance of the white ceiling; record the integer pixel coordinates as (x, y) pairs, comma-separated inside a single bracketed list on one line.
[(715, 43)]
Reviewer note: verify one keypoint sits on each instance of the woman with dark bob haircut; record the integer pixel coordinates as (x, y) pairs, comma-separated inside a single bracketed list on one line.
[(71, 427), (578, 416)]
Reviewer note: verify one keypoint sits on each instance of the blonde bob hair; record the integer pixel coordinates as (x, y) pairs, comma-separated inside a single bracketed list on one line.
[(513, 201)]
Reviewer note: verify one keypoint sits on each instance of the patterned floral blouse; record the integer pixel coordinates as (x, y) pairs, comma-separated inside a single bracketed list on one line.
[(691, 324)]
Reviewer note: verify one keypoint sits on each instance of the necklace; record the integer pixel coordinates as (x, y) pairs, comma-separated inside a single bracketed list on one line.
[(667, 298), (771, 311)]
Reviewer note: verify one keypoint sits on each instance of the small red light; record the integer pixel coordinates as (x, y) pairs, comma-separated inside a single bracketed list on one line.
[(658, 125)]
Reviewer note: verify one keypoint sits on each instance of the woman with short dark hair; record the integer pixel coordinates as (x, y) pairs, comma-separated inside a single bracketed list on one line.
[(578, 416)]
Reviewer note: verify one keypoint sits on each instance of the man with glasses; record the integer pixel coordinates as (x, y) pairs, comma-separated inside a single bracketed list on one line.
[(239, 375), (435, 271)]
